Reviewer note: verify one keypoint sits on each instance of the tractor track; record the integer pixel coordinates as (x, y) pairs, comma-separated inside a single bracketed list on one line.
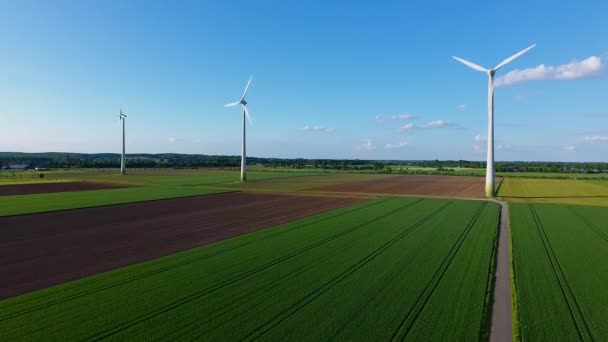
[(590, 224), (584, 332), (189, 298), (408, 321), (181, 264), (303, 302)]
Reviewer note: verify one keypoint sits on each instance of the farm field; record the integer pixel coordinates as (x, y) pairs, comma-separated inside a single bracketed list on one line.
[(142, 185), (39, 188), (308, 183), (53, 248), (564, 191), (560, 268), (388, 268), (422, 185)]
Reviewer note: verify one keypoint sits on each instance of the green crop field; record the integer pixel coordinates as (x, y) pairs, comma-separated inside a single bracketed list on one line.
[(289, 184), (150, 185), (27, 204), (561, 191), (389, 268), (559, 260)]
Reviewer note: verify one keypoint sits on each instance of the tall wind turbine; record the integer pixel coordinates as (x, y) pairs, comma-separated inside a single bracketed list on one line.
[(123, 170), (490, 157), (243, 104)]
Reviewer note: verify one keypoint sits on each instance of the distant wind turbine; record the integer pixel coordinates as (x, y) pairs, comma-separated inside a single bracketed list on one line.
[(490, 157), (123, 170), (243, 104)]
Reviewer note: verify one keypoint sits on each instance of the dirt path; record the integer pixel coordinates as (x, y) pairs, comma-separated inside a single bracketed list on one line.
[(502, 324)]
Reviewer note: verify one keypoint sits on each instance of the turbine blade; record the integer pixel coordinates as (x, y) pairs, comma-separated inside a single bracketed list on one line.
[(246, 88), (470, 64), (232, 104), (247, 114), (512, 58)]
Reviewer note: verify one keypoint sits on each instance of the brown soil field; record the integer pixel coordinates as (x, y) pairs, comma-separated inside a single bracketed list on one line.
[(40, 188), (41, 250), (423, 185)]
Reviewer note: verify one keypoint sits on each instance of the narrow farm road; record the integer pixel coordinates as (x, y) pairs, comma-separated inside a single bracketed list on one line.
[(501, 330)]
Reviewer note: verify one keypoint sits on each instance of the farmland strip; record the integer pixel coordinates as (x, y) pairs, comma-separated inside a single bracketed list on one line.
[(563, 282), (186, 262), (590, 224), (277, 319), (199, 294), (411, 317)]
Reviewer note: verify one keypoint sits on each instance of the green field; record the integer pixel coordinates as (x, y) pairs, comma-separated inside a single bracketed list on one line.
[(561, 191), (382, 269), (150, 185), (561, 273)]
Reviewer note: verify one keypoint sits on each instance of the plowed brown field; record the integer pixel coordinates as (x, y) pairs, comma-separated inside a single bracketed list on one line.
[(40, 188), (41, 250), (448, 186)]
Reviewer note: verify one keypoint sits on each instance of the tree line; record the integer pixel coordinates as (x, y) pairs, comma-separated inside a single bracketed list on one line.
[(175, 160)]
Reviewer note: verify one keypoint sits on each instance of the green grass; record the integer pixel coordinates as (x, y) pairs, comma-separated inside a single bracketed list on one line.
[(560, 255), (151, 185), (390, 267), (27, 204), (559, 191), (290, 184)]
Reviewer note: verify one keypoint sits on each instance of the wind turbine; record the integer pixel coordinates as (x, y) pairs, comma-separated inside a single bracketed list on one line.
[(123, 170), (490, 156), (243, 104)]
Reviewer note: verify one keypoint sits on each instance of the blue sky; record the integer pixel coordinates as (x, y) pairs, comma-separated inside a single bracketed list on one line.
[(371, 80)]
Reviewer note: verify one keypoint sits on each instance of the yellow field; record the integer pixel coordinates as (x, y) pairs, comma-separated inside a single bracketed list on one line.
[(564, 191)]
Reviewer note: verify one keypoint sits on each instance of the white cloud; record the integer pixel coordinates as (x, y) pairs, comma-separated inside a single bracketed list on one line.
[(476, 147), (366, 146), (480, 137), (587, 68), (316, 128), (398, 117), (429, 125), (397, 145), (503, 146), (402, 117), (462, 107), (172, 140), (569, 148), (437, 124), (407, 127), (596, 138)]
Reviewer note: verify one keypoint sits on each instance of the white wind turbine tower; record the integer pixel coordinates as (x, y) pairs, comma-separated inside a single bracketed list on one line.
[(123, 170), (490, 157), (243, 104)]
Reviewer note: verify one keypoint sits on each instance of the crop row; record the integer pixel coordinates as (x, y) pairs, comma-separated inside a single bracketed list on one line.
[(560, 273), (387, 268)]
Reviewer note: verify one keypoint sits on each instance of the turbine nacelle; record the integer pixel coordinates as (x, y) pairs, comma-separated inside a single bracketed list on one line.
[(242, 102), (491, 72)]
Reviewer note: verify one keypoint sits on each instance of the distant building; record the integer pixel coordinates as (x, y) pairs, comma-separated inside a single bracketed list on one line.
[(18, 167), (41, 168)]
